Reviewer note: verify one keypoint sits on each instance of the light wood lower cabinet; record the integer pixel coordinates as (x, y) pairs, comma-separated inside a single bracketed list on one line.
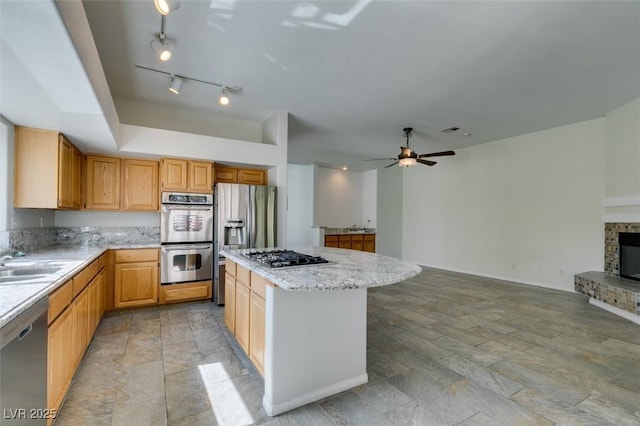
[(75, 311), (136, 278), (257, 331), (245, 311), (242, 315), (60, 367), (230, 302), (361, 242)]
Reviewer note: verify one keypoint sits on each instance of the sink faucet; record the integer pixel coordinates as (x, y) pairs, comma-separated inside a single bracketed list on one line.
[(4, 259)]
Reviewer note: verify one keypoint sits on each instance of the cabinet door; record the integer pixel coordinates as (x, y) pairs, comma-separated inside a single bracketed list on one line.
[(94, 307), (102, 285), (356, 242), (252, 176), (136, 284), (174, 174), (140, 185), (60, 365), (331, 241), (103, 183), (65, 173), (200, 176), (230, 302), (370, 243), (257, 331), (242, 316), (344, 241), (226, 174), (35, 168), (80, 341), (76, 179)]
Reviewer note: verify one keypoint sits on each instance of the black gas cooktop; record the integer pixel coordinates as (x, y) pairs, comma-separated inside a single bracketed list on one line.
[(285, 258)]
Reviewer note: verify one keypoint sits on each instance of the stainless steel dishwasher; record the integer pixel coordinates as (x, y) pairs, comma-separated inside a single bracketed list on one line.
[(23, 367)]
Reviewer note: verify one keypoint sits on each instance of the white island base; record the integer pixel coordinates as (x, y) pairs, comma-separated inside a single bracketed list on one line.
[(315, 345)]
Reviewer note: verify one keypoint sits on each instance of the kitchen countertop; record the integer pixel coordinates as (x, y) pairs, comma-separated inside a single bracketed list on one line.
[(16, 298), (347, 269)]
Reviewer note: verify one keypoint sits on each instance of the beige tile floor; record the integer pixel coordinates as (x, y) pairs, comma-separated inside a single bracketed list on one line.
[(443, 349)]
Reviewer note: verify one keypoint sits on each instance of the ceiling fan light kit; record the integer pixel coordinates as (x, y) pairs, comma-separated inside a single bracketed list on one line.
[(409, 158)]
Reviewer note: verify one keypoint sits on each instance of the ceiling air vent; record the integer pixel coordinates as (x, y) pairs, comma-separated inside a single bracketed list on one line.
[(450, 129)]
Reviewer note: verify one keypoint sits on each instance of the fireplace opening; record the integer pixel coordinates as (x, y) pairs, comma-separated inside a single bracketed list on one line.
[(629, 244)]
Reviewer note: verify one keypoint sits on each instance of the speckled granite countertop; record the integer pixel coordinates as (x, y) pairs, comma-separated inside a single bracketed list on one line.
[(16, 298), (348, 269)]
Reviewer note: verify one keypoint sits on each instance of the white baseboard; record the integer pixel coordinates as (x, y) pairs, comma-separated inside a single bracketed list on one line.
[(617, 311), (283, 407)]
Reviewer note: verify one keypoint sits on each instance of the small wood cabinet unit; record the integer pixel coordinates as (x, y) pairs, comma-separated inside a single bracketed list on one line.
[(223, 174), (47, 170), (136, 277), (185, 175), (102, 191), (361, 242), (244, 310), (140, 185), (75, 310), (182, 292)]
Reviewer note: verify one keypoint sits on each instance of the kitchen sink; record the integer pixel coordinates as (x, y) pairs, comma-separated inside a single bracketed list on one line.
[(23, 279), (18, 272), (30, 271)]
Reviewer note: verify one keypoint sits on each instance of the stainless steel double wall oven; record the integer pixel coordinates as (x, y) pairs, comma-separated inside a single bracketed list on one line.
[(186, 236)]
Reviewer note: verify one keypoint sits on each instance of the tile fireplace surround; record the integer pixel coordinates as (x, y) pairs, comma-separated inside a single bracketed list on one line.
[(608, 287)]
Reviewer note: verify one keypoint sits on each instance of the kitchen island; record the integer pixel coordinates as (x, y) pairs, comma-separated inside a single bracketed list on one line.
[(315, 317)]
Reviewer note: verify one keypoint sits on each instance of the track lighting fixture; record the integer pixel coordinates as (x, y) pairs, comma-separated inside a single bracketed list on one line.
[(165, 7), (176, 85), (178, 80), (224, 99), (160, 44)]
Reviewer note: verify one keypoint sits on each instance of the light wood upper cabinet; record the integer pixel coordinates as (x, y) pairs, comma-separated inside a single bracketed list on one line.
[(76, 179), (199, 176), (43, 174), (223, 174), (252, 177), (140, 185), (103, 183), (185, 175)]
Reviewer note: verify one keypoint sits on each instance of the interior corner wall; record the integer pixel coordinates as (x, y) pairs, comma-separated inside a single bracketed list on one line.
[(526, 209), (369, 198), (300, 206), (390, 205)]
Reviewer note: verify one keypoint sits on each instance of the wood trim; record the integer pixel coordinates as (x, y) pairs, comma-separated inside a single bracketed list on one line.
[(60, 299), (136, 255)]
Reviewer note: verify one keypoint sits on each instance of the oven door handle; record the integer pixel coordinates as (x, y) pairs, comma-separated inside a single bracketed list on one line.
[(187, 247), (185, 207)]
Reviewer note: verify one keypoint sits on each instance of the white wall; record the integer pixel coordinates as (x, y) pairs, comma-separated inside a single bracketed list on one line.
[(345, 198), (389, 212), (623, 164), (526, 209), (300, 206), (11, 218)]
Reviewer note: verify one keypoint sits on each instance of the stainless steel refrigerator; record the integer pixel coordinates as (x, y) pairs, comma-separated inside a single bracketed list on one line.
[(245, 217)]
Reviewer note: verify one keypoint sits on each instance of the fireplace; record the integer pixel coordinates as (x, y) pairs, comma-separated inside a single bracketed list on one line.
[(629, 244)]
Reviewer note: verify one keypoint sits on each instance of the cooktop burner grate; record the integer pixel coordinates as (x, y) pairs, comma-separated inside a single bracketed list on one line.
[(285, 258)]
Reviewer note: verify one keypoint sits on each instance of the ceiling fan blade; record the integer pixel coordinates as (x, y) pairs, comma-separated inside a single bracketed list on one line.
[(377, 159), (392, 164), (437, 154), (426, 162)]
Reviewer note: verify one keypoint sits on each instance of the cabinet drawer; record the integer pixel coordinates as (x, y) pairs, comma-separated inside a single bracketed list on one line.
[(230, 267), (60, 299), (83, 277), (242, 275), (370, 237), (136, 255), (330, 238), (259, 285), (180, 292), (357, 237), (345, 238)]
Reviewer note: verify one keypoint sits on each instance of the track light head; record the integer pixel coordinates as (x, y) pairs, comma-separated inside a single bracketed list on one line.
[(176, 85), (224, 98), (165, 7), (160, 47)]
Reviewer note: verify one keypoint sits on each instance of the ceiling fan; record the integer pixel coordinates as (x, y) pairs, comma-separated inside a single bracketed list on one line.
[(409, 157)]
